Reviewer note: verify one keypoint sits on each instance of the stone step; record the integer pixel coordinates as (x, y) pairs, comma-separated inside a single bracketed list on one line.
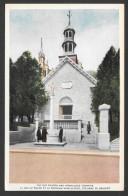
[(85, 134), (116, 141), (50, 143), (115, 150), (88, 140), (115, 145), (89, 135)]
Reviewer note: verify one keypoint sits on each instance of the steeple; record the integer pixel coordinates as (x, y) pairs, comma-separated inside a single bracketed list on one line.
[(44, 66), (41, 54), (69, 45)]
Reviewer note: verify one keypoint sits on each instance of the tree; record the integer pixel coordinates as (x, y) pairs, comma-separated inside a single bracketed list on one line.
[(13, 79), (29, 90), (107, 88)]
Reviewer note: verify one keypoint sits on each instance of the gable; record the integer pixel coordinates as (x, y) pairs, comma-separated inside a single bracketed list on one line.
[(68, 61)]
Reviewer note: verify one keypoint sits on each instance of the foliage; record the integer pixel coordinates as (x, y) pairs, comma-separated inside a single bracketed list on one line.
[(14, 125), (114, 130), (107, 88), (13, 82), (92, 73), (28, 91)]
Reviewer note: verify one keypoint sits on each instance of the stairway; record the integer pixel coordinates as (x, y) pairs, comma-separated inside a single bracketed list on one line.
[(88, 138), (115, 145)]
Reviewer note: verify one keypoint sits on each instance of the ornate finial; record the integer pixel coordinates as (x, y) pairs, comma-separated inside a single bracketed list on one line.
[(69, 15)]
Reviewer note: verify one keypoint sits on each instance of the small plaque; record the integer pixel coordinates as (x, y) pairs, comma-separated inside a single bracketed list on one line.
[(66, 85)]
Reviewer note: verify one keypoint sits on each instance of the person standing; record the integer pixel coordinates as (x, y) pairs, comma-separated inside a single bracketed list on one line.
[(88, 127), (38, 134), (44, 134), (60, 134)]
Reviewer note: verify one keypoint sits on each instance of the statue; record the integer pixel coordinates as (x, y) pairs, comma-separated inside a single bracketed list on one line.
[(52, 88)]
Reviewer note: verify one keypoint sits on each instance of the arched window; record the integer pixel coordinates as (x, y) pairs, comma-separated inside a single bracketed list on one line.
[(70, 47), (70, 34), (66, 34), (66, 101), (65, 108)]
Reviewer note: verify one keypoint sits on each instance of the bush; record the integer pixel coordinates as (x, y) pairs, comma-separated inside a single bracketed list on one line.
[(13, 127), (114, 130)]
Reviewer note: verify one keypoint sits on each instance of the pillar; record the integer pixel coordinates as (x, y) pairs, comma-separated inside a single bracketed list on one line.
[(37, 125), (67, 47), (64, 47), (51, 114), (103, 137), (72, 47), (79, 125)]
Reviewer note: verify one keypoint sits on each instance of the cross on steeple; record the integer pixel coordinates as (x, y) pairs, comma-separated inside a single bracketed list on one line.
[(69, 15)]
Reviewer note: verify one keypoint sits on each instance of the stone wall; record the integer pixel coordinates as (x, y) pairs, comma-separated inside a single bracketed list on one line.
[(23, 134), (14, 136)]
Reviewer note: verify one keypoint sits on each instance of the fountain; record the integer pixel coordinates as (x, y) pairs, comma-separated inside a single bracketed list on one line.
[(52, 137)]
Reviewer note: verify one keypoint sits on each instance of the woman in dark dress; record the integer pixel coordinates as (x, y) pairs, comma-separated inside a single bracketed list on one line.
[(61, 134), (38, 134), (44, 134)]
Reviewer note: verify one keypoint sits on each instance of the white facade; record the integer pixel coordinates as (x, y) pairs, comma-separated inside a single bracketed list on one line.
[(72, 87)]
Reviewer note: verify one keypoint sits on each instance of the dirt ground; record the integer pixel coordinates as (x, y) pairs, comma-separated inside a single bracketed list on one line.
[(35, 165)]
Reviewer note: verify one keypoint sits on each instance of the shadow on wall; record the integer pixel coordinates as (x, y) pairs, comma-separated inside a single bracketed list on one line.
[(23, 134)]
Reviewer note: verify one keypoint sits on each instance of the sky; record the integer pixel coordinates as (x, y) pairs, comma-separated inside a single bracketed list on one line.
[(96, 31)]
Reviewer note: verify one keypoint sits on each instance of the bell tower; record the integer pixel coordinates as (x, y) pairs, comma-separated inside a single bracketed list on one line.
[(44, 66), (41, 55), (69, 44)]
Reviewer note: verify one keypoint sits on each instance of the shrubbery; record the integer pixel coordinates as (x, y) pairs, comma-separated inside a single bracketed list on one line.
[(13, 126)]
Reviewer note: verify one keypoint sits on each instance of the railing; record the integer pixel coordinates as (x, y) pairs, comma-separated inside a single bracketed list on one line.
[(67, 117), (68, 124), (68, 39), (63, 117)]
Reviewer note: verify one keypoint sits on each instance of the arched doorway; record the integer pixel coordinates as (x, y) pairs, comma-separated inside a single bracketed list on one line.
[(65, 108)]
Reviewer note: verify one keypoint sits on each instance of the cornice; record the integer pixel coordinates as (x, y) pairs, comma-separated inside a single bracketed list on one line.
[(67, 59)]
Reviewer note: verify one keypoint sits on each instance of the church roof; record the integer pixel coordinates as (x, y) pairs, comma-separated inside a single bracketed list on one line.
[(67, 59)]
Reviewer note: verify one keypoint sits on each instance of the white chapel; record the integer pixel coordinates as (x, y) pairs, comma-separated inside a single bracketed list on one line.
[(72, 90)]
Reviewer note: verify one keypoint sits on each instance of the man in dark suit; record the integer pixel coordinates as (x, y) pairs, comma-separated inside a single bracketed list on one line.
[(44, 134), (60, 134), (39, 134), (88, 127)]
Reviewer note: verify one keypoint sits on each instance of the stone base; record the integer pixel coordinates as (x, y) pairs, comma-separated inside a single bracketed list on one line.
[(50, 144), (52, 138), (103, 141)]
